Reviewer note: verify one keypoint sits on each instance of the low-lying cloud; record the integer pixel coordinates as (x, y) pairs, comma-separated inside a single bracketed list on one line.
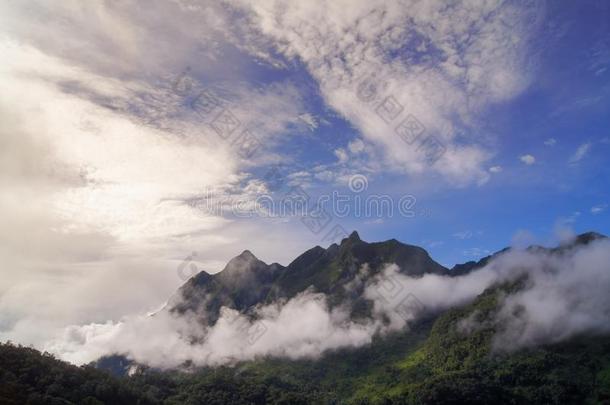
[(565, 294), (302, 327)]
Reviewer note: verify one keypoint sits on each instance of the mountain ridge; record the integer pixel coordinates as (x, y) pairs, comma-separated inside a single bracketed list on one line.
[(246, 280)]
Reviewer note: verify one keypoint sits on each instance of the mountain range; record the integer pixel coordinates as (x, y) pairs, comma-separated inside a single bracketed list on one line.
[(246, 281), (448, 353)]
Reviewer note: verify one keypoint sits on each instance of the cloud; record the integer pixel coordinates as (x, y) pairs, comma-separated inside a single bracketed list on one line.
[(522, 239), (342, 155), (444, 83), (598, 209), (83, 186), (463, 235), (99, 161), (580, 153), (495, 169), (527, 159), (310, 121), (550, 142), (563, 228), (564, 294), (572, 218), (356, 146), (303, 327)]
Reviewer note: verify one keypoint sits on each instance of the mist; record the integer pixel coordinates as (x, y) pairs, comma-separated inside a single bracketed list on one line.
[(565, 294)]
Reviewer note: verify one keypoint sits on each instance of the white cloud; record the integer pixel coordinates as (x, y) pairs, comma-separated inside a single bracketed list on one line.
[(565, 296), (571, 219), (303, 327), (99, 161), (348, 41), (310, 121), (356, 146), (550, 142), (527, 159), (580, 153), (342, 155), (523, 239), (598, 209), (495, 169)]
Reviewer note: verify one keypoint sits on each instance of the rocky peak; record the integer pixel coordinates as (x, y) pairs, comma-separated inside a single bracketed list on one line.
[(244, 260), (351, 239), (588, 237), (354, 236), (247, 256)]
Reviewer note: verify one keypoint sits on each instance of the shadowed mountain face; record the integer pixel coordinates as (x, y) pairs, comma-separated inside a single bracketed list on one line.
[(329, 270), (247, 281), (244, 282)]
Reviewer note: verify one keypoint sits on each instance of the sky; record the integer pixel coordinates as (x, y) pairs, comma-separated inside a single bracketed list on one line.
[(134, 138)]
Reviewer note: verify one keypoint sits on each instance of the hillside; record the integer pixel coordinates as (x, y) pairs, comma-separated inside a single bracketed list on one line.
[(30, 377), (443, 356), (429, 365)]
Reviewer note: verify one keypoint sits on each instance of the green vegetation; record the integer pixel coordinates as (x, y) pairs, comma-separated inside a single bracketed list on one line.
[(30, 377), (438, 361), (457, 366)]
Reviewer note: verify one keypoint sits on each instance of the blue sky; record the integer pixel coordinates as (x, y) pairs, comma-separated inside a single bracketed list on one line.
[(563, 109), (112, 143)]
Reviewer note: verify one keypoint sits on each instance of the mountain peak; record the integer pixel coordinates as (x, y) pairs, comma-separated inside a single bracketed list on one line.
[(247, 255), (354, 237), (242, 263), (588, 237), (580, 240)]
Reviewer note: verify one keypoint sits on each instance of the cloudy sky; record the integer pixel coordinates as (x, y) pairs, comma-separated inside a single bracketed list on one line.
[(132, 137)]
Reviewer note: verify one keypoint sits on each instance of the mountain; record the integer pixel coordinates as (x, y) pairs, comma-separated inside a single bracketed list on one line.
[(247, 281), (244, 282), (446, 356), (327, 270)]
